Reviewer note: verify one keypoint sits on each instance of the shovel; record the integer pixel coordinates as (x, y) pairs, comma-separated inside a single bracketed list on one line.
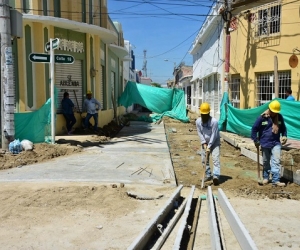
[(204, 167), (259, 180)]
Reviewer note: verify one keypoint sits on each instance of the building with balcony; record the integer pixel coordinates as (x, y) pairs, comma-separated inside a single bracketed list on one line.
[(264, 51)]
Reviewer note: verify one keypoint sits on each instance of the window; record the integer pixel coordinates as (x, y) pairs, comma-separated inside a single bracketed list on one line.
[(268, 20), (234, 88), (188, 94), (26, 6), (44, 4), (57, 8), (266, 86)]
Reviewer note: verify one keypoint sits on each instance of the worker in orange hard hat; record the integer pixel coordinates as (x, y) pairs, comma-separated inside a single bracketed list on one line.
[(208, 131), (266, 132)]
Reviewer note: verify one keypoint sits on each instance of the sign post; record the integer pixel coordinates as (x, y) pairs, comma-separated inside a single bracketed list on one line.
[(52, 92), (52, 59)]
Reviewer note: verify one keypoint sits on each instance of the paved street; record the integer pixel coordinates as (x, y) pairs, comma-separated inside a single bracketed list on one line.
[(140, 145)]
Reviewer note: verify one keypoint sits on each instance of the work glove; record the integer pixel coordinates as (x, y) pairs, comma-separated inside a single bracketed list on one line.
[(283, 140), (257, 143), (204, 146)]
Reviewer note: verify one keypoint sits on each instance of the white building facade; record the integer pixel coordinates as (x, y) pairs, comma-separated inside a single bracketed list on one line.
[(207, 52)]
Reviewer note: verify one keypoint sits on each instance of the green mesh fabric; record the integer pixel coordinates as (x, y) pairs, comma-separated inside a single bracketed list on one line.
[(33, 126), (240, 121), (161, 101)]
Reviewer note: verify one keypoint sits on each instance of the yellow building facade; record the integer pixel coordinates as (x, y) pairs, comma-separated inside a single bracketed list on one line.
[(263, 32), (85, 32)]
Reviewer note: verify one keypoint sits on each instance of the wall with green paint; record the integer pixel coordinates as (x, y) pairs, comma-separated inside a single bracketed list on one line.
[(29, 77)]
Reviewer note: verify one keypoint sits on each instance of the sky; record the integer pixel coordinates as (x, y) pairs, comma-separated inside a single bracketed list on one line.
[(166, 29)]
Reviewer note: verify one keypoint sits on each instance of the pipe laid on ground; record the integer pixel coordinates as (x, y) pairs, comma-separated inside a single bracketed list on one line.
[(141, 241), (184, 220)]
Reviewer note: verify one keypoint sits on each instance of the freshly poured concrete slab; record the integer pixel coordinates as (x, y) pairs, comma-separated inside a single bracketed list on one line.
[(139, 155)]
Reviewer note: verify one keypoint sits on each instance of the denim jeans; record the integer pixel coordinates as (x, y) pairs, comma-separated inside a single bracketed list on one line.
[(87, 119), (215, 153), (70, 121), (271, 163)]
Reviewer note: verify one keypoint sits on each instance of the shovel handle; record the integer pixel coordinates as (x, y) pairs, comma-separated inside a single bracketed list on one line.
[(258, 164)]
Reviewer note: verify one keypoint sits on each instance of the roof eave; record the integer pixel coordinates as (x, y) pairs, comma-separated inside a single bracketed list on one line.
[(106, 35)]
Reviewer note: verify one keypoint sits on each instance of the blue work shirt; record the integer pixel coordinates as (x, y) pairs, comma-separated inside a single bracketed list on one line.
[(208, 132), (90, 106), (290, 98), (263, 127), (67, 106)]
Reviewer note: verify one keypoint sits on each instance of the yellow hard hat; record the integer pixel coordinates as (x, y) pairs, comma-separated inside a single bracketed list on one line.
[(89, 92), (274, 106), (204, 108)]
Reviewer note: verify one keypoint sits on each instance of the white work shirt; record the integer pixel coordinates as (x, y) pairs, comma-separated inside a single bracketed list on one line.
[(208, 132), (90, 106)]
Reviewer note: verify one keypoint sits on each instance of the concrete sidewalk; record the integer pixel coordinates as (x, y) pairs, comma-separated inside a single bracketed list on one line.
[(140, 145)]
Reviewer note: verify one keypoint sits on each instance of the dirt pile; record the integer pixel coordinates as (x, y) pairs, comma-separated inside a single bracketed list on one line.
[(69, 144)]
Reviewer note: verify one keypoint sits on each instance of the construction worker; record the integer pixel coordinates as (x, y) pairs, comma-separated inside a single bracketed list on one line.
[(266, 133), (91, 106), (289, 96), (208, 131), (67, 109)]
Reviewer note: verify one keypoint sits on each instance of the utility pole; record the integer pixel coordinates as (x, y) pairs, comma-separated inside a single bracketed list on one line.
[(227, 18), (7, 76)]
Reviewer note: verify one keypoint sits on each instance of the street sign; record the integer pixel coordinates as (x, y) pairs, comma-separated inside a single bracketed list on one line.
[(39, 58), (45, 58), (55, 43), (68, 59)]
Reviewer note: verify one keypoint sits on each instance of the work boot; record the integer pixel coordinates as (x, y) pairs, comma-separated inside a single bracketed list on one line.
[(216, 181), (207, 178), (279, 184), (265, 182)]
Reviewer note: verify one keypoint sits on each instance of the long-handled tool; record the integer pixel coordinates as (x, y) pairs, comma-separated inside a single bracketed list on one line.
[(82, 118), (259, 180), (204, 168)]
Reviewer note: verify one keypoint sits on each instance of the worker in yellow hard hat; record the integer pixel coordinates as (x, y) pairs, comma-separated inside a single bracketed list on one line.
[(266, 132), (91, 106), (208, 131)]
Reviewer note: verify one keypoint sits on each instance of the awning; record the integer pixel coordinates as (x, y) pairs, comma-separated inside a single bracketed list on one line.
[(118, 50), (106, 35)]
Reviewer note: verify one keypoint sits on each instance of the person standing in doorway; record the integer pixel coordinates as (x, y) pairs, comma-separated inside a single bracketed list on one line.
[(91, 106), (288, 94), (67, 110), (208, 131), (266, 132)]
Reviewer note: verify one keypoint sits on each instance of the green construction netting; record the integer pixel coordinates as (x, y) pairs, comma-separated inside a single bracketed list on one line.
[(240, 121), (34, 126), (162, 101)]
